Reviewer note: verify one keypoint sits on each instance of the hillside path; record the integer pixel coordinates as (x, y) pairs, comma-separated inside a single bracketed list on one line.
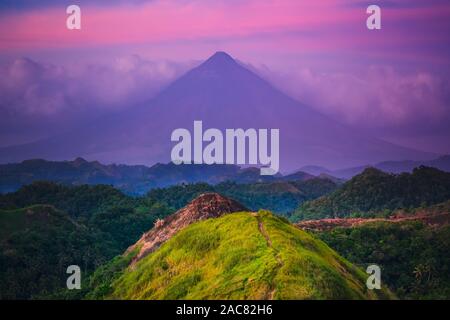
[(262, 230)]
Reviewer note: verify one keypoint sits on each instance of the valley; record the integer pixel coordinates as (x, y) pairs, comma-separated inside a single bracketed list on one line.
[(204, 241)]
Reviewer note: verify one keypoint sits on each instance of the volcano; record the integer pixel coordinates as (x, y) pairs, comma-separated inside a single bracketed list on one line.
[(223, 94)]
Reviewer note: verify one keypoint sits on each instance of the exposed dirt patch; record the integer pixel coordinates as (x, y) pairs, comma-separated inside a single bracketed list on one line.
[(434, 219), (205, 206)]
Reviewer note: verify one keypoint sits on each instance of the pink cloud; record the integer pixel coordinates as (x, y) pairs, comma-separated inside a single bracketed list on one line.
[(163, 21), (300, 25)]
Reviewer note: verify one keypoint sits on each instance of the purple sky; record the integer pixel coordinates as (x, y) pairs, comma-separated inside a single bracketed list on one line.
[(393, 82)]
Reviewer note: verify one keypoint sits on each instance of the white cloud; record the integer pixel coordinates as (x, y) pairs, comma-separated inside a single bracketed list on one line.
[(380, 96)]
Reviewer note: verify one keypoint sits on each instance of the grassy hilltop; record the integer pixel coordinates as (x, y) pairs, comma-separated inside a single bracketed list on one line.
[(243, 256)]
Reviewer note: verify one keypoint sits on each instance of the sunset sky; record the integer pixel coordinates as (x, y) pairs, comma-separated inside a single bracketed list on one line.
[(393, 82)]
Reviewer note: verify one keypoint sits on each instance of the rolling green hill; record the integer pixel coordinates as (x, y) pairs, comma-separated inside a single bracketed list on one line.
[(37, 244), (45, 227), (240, 256), (374, 191)]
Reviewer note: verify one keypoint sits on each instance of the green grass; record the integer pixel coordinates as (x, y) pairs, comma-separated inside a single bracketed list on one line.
[(232, 258)]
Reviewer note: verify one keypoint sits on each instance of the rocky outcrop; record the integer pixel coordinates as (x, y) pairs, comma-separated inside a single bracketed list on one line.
[(205, 206)]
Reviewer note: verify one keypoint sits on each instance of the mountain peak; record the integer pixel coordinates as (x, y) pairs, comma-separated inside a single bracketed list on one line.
[(212, 205), (220, 58), (79, 161)]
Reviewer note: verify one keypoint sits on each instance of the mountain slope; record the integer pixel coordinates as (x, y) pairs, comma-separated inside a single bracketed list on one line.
[(223, 94), (243, 256)]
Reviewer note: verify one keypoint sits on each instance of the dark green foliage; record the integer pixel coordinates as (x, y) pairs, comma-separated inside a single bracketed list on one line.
[(374, 191), (80, 202), (36, 251), (414, 258)]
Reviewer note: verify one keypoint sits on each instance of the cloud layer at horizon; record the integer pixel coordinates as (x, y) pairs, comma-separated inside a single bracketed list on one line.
[(394, 83), (40, 99)]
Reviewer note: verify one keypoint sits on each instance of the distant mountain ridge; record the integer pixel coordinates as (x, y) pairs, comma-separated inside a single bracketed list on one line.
[(137, 179), (441, 163)]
